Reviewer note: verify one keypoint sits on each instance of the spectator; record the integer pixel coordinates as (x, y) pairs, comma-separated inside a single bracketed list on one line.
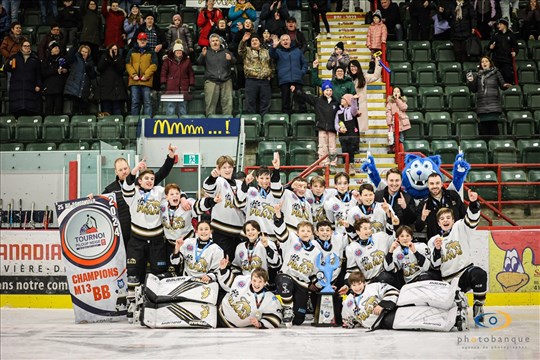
[(132, 23), (319, 8), (91, 28), (113, 93), (505, 8), (376, 36), (419, 11), (486, 16), (12, 8), (48, 8), (295, 11), (4, 22), (341, 84), (291, 66), (247, 27), (258, 71), (347, 128), (54, 35), (504, 48), (157, 40), (273, 15), (391, 17), (125, 4), (141, 64), (462, 20), (441, 26), (338, 58), (25, 82), (397, 104), (239, 13), (177, 78), (207, 18), (531, 22), (13, 41), (54, 75), (257, 5), (114, 23), (297, 37), (69, 19), (223, 30), (179, 31), (78, 83), (267, 41), (218, 83), (486, 84), (351, 6), (360, 80)]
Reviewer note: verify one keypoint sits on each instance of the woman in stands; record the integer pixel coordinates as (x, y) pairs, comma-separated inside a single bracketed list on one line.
[(113, 93), (132, 22), (207, 18), (81, 71), (91, 28)]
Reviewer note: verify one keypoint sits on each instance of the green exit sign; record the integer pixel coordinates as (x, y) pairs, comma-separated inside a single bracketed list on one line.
[(191, 159)]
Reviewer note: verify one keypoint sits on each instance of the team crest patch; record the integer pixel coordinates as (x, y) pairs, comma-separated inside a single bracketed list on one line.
[(297, 246), (190, 247), (349, 303), (294, 197), (335, 207), (241, 254), (163, 208), (356, 217), (226, 185), (310, 201), (400, 257), (358, 252), (253, 193), (242, 284)]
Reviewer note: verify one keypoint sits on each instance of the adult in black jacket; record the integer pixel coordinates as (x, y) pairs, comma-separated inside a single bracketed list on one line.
[(391, 17), (113, 93), (91, 28), (461, 17), (54, 74), (439, 197), (402, 203), (420, 12), (504, 48), (81, 72), (297, 37), (69, 19), (319, 7), (25, 83), (54, 35), (273, 15)]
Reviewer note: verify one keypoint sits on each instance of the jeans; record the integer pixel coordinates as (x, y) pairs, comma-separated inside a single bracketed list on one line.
[(48, 7), (138, 92), (176, 108), (12, 8)]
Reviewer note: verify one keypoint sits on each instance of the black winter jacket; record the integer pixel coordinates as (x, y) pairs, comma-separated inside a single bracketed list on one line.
[(325, 112)]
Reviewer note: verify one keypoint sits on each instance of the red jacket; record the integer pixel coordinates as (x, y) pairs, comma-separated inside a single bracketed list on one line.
[(178, 76), (203, 22), (114, 25)]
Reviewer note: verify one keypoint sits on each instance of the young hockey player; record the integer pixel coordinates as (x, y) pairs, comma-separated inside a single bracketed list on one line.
[(247, 302), (227, 216), (299, 272), (379, 214), (451, 252), (337, 207), (410, 259), (438, 306), (316, 196), (200, 255), (367, 252), (331, 242)]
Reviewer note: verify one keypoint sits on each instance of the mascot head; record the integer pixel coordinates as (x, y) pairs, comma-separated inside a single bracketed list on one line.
[(416, 172)]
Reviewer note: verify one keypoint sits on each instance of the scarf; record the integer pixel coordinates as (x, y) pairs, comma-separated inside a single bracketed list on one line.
[(484, 74), (459, 12), (243, 7)]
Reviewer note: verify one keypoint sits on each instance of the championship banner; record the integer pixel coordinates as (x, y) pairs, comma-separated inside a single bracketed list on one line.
[(94, 257), (199, 4), (229, 127)]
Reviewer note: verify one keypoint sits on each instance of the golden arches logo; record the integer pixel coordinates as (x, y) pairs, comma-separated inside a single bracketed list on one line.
[(492, 320), (176, 128)]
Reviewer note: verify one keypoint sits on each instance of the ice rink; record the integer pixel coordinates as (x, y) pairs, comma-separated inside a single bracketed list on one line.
[(52, 334)]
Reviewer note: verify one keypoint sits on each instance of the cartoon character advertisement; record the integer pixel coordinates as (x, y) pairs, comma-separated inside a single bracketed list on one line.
[(514, 259)]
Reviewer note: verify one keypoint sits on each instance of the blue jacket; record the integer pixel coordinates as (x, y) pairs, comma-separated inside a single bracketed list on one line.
[(291, 65), (80, 73), (237, 16)]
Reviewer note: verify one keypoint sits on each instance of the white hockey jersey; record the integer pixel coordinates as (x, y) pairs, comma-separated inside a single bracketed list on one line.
[(358, 309), (227, 215), (145, 209), (241, 303), (177, 222), (260, 207), (294, 208), (200, 258), (337, 208), (412, 264), (375, 214), (455, 254), (317, 204), (368, 256)]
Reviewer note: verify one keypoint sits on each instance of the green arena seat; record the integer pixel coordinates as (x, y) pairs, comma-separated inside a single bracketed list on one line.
[(396, 51), (443, 51), (417, 125), (302, 152), (450, 73), (425, 73), (303, 125), (55, 128), (514, 192), (41, 147), (276, 126), (483, 176), (421, 146), (420, 50), (475, 151), (447, 149), (439, 124), (432, 98), (252, 126), (527, 72), (266, 150), (503, 151), (512, 98), (521, 123), (11, 147), (459, 98), (529, 150), (401, 74), (534, 176), (78, 146)]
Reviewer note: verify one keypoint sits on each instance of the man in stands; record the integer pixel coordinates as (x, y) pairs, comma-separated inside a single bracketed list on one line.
[(392, 19), (54, 35)]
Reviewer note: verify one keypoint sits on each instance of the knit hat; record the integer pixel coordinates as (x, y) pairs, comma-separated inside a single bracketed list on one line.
[(142, 36), (349, 98), (178, 46), (52, 45), (339, 45), (134, 5), (327, 84), (504, 21), (378, 13), (342, 68)]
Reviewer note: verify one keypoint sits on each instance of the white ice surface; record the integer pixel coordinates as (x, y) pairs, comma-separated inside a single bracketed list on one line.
[(52, 334)]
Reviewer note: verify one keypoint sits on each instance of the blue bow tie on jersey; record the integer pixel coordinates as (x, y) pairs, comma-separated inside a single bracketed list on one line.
[(367, 242), (405, 251), (263, 193)]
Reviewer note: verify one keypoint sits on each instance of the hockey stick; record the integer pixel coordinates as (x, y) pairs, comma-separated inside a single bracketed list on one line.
[(46, 218), (1, 212), (31, 223), (10, 212), (20, 213)]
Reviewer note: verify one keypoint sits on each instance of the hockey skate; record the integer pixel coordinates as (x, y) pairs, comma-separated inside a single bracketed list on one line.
[(288, 316), (478, 312), (138, 303), (130, 297), (462, 319), (461, 300)]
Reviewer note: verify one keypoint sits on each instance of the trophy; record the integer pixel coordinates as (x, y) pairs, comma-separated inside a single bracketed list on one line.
[(325, 309)]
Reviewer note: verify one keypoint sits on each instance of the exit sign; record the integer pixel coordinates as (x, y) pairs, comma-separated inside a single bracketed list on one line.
[(191, 159)]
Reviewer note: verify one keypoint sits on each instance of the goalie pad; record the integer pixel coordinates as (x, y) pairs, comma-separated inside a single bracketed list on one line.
[(437, 294), (179, 315), (181, 288), (425, 318)]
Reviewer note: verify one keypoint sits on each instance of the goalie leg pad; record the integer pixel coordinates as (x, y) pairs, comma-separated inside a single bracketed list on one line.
[(437, 294), (425, 318), (181, 288), (179, 315)]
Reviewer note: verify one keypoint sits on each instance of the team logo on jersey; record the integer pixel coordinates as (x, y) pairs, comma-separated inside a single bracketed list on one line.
[(253, 193), (241, 254), (297, 246), (294, 197), (225, 185), (240, 307), (190, 247), (400, 257), (357, 217), (358, 252), (310, 201), (350, 303), (241, 284), (335, 207), (163, 208)]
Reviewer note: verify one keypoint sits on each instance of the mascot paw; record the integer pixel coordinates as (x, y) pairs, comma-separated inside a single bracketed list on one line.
[(461, 165)]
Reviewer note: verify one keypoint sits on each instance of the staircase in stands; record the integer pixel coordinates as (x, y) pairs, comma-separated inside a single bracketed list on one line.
[(352, 30)]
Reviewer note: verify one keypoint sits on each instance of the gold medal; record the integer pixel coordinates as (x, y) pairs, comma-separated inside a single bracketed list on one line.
[(258, 315)]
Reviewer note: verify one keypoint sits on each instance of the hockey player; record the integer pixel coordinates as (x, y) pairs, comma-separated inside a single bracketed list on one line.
[(293, 202), (438, 306), (367, 253), (316, 196), (410, 259), (337, 208), (299, 272), (227, 216), (200, 255), (380, 214), (256, 252), (451, 252), (247, 302)]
